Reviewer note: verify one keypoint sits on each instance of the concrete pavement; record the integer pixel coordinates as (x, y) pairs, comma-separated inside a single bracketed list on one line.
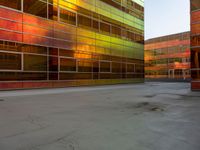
[(150, 116)]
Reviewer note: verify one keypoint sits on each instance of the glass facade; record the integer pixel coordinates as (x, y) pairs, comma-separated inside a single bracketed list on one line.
[(195, 43), (58, 43), (168, 57)]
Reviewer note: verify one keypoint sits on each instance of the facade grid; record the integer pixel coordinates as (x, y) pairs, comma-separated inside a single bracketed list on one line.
[(195, 44), (168, 57), (59, 43)]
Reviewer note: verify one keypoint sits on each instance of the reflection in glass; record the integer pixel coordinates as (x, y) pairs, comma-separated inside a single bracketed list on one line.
[(67, 64), (35, 63), (15, 4), (10, 61), (35, 7), (67, 16)]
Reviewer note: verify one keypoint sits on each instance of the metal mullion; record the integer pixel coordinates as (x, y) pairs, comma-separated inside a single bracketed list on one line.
[(47, 9), (92, 70), (58, 64), (99, 66), (22, 5), (110, 66), (11, 52), (22, 62), (58, 10), (48, 64), (10, 70), (126, 70), (76, 65), (76, 19)]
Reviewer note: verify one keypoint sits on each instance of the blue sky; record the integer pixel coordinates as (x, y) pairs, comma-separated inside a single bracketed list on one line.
[(163, 17)]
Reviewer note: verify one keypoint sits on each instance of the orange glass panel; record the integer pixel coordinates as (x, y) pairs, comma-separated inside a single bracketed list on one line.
[(195, 16), (195, 28)]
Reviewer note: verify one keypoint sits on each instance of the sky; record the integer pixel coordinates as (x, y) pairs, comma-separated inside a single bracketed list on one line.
[(163, 17)]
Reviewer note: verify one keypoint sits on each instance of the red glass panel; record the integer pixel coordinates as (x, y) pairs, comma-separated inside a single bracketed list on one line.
[(11, 36), (195, 17), (29, 19), (10, 14), (37, 30), (195, 29), (10, 25), (31, 39)]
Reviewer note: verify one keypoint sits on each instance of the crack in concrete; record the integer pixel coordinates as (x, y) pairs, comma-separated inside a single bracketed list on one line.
[(24, 132), (181, 95), (34, 120), (68, 143)]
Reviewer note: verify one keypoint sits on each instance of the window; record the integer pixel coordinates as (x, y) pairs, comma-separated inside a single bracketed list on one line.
[(35, 63), (15, 4), (67, 64), (195, 40), (195, 58), (53, 76), (67, 16), (53, 63), (67, 53), (138, 7), (105, 27), (130, 68), (112, 3), (84, 66), (53, 51), (10, 46), (84, 21), (10, 61), (116, 67), (195, 74), (95, 25), (33, 49), (195, 5), (95, 66), (104, 66), (116, 30), (50, 1), (139, 69), (52, 12), (36, 7)]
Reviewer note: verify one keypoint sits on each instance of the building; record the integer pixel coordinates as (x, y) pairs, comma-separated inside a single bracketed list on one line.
[(195, 44), (168, 57), (59, 43)]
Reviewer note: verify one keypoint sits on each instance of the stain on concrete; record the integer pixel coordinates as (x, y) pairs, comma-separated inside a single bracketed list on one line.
[(146, 106), (150, 96)]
